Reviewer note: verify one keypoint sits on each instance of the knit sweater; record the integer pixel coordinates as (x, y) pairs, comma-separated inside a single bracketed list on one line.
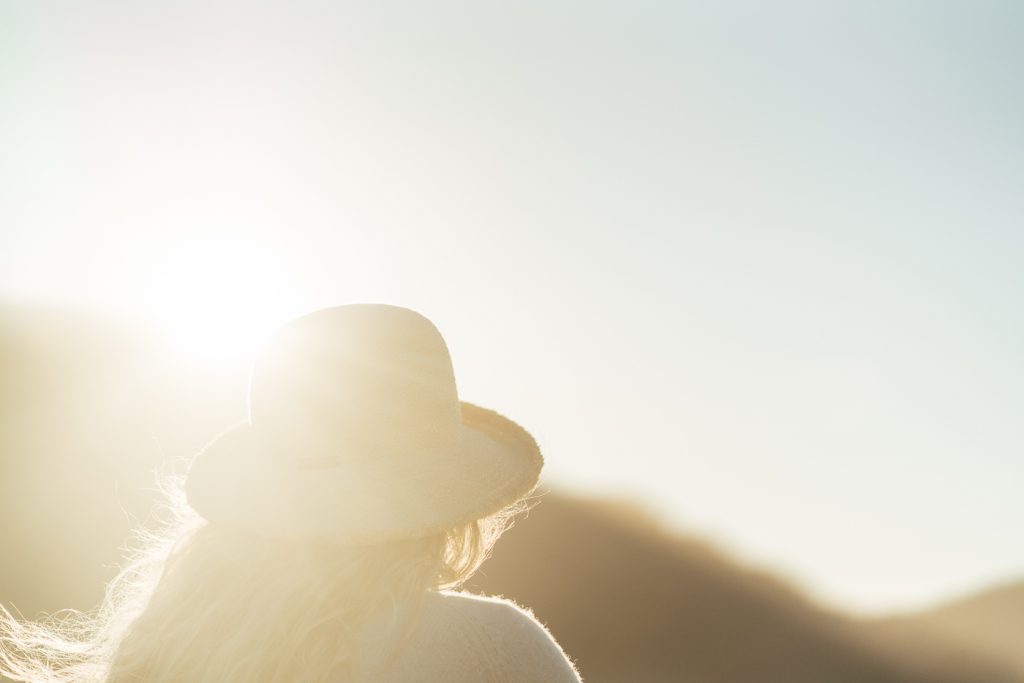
[(464, 638)]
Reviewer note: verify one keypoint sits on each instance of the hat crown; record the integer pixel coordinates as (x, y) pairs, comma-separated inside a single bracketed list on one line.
[(352, 382)]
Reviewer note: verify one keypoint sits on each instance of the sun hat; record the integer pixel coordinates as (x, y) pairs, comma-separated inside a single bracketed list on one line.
[(356, 434)]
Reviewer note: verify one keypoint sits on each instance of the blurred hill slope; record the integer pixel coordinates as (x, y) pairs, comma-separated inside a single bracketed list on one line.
[(989, 623), (635, 603)]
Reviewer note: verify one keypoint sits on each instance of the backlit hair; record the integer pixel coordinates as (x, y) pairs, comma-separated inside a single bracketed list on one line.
[(197, 603)]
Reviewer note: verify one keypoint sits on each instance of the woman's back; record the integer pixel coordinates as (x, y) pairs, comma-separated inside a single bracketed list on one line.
[(316, 540)]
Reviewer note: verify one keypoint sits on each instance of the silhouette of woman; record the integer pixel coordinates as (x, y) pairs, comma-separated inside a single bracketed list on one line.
[(321, 539)]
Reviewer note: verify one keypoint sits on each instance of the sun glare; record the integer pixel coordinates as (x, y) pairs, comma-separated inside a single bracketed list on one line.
[(217, 305)]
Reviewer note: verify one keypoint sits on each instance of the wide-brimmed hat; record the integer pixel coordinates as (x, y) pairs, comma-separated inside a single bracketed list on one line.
[(356, 434)]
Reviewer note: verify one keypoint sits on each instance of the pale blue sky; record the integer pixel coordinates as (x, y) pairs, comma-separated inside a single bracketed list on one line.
[(755, 263)]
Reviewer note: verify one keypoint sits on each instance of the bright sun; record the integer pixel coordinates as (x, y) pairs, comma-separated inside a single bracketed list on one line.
[(218, 304)]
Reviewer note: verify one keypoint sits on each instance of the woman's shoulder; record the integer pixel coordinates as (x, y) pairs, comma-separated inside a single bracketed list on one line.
[(494, 613), (519, 644), (484, 608)]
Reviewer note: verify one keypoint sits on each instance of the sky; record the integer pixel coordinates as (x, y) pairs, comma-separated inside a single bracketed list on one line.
[(754, 264)]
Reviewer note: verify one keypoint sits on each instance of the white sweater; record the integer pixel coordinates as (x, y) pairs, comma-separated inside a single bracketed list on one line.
[(464, 638)]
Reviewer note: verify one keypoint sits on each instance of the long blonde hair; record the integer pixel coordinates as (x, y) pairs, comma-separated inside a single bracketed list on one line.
[(197, 603)]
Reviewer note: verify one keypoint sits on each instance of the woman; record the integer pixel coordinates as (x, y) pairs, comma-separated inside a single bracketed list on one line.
[(317, 540)]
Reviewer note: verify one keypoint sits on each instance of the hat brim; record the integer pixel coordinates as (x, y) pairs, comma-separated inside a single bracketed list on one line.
[(236, 483)]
